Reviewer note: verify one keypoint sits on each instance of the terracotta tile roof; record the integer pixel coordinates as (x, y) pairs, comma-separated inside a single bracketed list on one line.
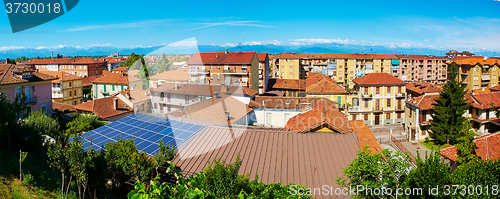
[(113, 78), (291, 84), (378, 78), (261, 56), (477, 61), (333, 56), (428, 57), (456, 52), (214, 110), (8, 74), (484, 100), (320, 83), (365, 136), (466, 57), (173, 75), (63, 107), (495, 88), (421, 87), (320, 116), (313, 159), (222, 57), (201, 89), (61, 76), (82, 60), (136, 95), (288, 102), (121, 69), (424, 102), (87, 81), (488, 148), (104, 107)]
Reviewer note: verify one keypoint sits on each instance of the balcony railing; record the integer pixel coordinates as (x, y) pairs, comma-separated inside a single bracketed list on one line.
[(198, 71), (56, 89), (235, 71), (31, 100), (378, 109), (354, 108)]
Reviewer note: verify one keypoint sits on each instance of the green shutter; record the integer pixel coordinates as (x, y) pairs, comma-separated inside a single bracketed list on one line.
[(122, 87), (104, 87), (340, 100)]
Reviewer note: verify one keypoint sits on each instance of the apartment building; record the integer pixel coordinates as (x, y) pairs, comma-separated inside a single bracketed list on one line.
[(171, 97), (432, 69), (483, 119), (82, 67), (173, 76), (229, 68), (419, 108), (67, 88), (263, 71), (454, 53), (20, 80), (477, 73), (109, 84), (380, 99), (342, 67)]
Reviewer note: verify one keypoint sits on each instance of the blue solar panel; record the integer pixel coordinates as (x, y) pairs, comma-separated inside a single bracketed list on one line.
[(146, 131)]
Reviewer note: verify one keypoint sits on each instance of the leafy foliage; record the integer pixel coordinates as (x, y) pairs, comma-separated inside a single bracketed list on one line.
[(12, 110), (431, 173), (449, 109), (376, 170), (466, 148), (37, 124), (478, 174), (84, 123)]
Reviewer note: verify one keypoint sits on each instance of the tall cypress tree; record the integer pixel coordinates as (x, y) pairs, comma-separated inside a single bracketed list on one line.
[(449, 109)]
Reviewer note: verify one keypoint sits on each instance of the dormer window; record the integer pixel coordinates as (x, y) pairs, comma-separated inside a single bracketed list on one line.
[(27, 75)]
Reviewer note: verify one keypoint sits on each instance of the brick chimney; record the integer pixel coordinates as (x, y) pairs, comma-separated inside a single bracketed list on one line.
[(115, 103)]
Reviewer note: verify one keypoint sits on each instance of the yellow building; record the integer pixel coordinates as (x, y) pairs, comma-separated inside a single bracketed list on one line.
[(477, 73), (379, 101), (342, 67), (67, 88), (320, 85)]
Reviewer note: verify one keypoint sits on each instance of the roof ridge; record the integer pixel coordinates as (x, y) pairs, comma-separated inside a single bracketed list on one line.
[(6, 71)]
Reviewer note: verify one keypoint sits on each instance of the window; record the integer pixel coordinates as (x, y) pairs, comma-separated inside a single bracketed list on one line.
[(74, 92), (19, 91), (85, 67), (475, 69), (76, 73), (69, 93), (44, 109), (156, 107), (113, 87), (291, 74), (291, 67), (366, 103), (494, 77), (69, 84), (477, 112), (366, 116), (75, 102), (388, 102), (388, 91), (268, 119), (387, 116), (377, 90), (398, 115), (218, 67), (366, 90), (161, 107), (354, 117), (218, 77)]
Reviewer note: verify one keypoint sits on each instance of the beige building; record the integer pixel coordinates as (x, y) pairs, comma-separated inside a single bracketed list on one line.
[(379, 101), (67, 88), (477, 73), (432, 69)]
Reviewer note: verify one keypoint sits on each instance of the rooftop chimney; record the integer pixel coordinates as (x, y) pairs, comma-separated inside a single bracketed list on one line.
[(155, 85), (225, 51), (115, 103)]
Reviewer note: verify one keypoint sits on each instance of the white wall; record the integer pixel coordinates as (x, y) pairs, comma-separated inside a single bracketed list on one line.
[(277, 115)]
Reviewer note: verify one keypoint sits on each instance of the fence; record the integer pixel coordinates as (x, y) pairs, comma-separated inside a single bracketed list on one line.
[(398, 143)]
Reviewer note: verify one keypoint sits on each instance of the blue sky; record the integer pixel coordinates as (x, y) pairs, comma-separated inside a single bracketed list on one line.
[(442, 24)]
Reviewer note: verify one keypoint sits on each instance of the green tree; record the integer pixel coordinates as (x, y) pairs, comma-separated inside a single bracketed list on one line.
[(375, 171), (83, 123), (37, 124), (222, 180), (449, 109), (165, 154), (57, 159), (431, 173), (466, 148), (12, 110), (480, 174)]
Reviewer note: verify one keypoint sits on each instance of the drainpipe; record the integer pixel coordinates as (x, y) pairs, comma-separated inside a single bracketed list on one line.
[(416, 123)]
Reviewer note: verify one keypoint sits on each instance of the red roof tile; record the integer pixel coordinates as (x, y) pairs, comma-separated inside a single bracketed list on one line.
[(477, 61), (136, 95), (292, 84), (301, 103), (320, 83), (222, 57), (87, 81), (261, 56), (11, 74), (63, 107), (495, 88), (424, 102), (121, 69), (104, 107), (484, 100), (488, 148), (421, 87), (61, 76), (378, 79), (365, 136), (114, 78), (320, 116)]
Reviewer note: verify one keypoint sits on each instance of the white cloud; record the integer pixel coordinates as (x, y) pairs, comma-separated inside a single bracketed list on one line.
[(185, 43), (144, 23), (7, 48), (50, 47)]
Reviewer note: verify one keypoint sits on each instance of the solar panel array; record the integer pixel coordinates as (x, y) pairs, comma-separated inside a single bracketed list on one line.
[(146, 131)]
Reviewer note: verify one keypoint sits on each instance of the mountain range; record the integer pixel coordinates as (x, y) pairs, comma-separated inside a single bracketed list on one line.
[(270, 48)]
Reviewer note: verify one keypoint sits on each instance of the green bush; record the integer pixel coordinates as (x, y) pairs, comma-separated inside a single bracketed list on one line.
[(28, 179)]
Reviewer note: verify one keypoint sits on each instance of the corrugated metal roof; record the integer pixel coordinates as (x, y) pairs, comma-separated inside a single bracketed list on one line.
[(313, 159)]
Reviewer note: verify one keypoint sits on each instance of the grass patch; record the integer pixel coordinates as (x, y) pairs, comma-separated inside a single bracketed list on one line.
[(13, 188), (433, 146)]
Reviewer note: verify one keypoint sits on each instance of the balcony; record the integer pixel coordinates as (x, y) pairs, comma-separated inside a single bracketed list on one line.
[(321, 63), (400, 95), (243, 72), (56, 89), (197, 71), (378, 109), (353, 109), (366, 95), (31, 100)]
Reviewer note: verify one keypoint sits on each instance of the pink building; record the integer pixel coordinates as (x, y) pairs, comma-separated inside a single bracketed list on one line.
[(428, 68), (19, 79)]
